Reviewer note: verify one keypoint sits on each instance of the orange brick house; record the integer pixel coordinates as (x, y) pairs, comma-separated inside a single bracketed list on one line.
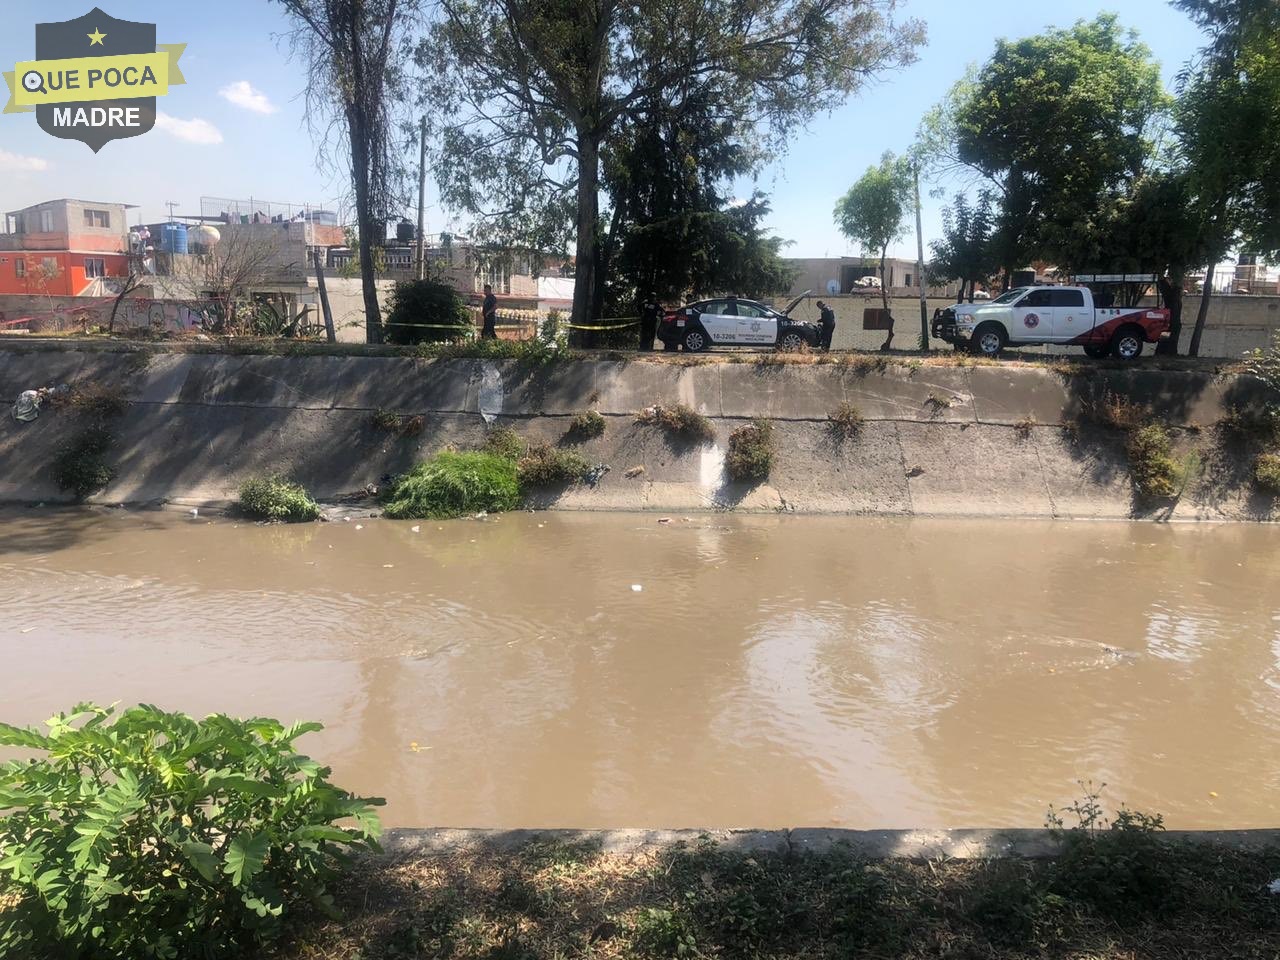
[(58, 248)]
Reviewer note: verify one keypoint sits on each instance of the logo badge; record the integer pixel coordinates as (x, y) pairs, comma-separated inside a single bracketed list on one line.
[(94, 79), (1031, 320)]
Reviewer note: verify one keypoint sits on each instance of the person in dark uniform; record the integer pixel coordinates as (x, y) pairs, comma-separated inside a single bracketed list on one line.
[(490, 314), (650, 314), (828, 321)]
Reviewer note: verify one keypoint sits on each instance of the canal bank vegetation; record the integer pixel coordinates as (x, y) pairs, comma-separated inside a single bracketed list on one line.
[(151, 834), (679, 421), (80, 467), (1118, 891), (846, 421), (277, 499), (586, 426), (454, 484), (751, 451)]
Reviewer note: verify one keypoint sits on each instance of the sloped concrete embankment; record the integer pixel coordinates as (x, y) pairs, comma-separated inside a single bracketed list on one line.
[(986, 440)]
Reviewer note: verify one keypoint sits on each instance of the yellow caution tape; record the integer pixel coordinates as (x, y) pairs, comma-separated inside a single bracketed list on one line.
[(602, 326)]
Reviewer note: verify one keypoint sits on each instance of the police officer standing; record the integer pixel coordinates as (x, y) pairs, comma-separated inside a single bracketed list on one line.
[(828, 321), (650, 314)]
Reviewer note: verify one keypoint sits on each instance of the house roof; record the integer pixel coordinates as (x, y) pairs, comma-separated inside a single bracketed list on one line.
[(45, 203)]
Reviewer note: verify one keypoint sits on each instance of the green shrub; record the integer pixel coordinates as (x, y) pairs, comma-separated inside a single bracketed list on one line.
[(79, 466), (1266, 473), (665, 933), (846, 420), (503, 442), (751, 450), (586, 426), (681, 421), (1256, 426), (279, 499), (426, 311), (1151, 465), (532, 352), (546, 466), (1115, 411), (454, 485), (97, 400), (151, 834)]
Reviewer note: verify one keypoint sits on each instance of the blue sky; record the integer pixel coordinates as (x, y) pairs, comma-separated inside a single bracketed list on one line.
[(236, 129)]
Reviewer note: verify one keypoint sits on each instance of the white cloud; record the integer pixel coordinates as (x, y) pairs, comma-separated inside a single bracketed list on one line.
[(242, 94), (17, 163), (194, 130)]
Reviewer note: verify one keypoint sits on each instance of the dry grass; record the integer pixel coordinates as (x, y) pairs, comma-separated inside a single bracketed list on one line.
[(846, 421), (1115, 411), (1025, 426), (551, 900), (680, 421)]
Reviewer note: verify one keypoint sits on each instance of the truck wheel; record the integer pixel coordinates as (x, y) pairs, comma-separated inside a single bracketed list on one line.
[(1127, 344), (1098, 351), (695, 341), (988, 340)]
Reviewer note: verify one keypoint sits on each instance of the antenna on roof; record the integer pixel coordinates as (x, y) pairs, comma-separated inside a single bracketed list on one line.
[(171, 204)]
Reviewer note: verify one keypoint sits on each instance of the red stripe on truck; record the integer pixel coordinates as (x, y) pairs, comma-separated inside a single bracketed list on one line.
[(1153, 324)]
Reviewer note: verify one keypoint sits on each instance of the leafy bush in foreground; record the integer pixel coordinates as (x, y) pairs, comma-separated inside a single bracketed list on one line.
[(151, 834), (453, 485), (503, 442), (426, 311), (275, 498), (586, 426), (751, 449), (79, 466)]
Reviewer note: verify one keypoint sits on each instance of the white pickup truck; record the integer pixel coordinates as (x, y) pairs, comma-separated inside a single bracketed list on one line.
[(1031, 316)]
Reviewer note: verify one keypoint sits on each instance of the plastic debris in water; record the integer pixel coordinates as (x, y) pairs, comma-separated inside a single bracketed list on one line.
[(387, 566), (636, 588), (195, 511), (415, 529), (1274, 886), (359, 526), (664, 519)]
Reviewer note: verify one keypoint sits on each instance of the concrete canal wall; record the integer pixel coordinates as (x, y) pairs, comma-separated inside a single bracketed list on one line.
[(938, 440)]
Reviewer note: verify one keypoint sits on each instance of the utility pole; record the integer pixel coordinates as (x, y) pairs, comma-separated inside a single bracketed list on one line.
[(924, 309), (422, 194)]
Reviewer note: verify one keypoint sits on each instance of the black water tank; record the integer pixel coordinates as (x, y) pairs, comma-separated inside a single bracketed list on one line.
[(405, 232), (1024, 278)]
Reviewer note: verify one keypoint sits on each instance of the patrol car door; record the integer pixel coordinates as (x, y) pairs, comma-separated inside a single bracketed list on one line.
[(1033, 317), (756, 324), (719, 321)]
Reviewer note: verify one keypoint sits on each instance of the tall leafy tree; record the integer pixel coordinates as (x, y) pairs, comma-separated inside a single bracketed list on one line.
[(530, 91), (1059, 125), (355, 55), (873, 213), (1228, 121), (966, 251)]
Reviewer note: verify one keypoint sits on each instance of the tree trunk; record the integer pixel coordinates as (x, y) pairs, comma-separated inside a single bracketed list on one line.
[(884, 299), (608, 246), (1171, 291), (585, 251), (356, 130), (1206, 290)]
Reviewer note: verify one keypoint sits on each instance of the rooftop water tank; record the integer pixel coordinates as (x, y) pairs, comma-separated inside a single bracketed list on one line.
[(173, 237), (204, 236)]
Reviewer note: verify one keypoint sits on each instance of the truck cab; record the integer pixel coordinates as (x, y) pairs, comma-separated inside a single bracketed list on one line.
[(1035, 315)]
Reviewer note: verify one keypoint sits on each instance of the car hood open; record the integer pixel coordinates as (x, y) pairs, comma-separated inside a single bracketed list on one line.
[(792, 305)]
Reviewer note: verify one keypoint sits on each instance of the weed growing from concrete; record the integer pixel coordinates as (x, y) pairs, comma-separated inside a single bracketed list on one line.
[(586, 426), (92, 399), (1115, 411), (400, 424), (751, 452), (680, 421), (546, 466), (937, 402), (846, 421), (79, 467), (1266, 473), (277, 499), (504, 442), (1154, 472), (454, 484), (1025, 426)]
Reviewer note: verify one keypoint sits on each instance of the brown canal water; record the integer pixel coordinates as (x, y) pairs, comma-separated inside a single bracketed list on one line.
[(771, 671)]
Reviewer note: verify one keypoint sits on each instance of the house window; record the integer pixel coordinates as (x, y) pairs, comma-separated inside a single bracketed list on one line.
[(908, 283), (20, 267), (95, 267), (97, 218), (46, 221)]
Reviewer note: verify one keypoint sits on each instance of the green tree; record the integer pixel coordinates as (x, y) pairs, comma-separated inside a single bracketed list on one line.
[(1229, 132), (530, 92), (1059, 124), (966, 251), (873, 213), (356, 76)]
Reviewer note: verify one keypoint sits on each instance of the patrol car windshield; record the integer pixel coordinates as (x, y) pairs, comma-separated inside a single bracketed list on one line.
[(1011, 296)]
